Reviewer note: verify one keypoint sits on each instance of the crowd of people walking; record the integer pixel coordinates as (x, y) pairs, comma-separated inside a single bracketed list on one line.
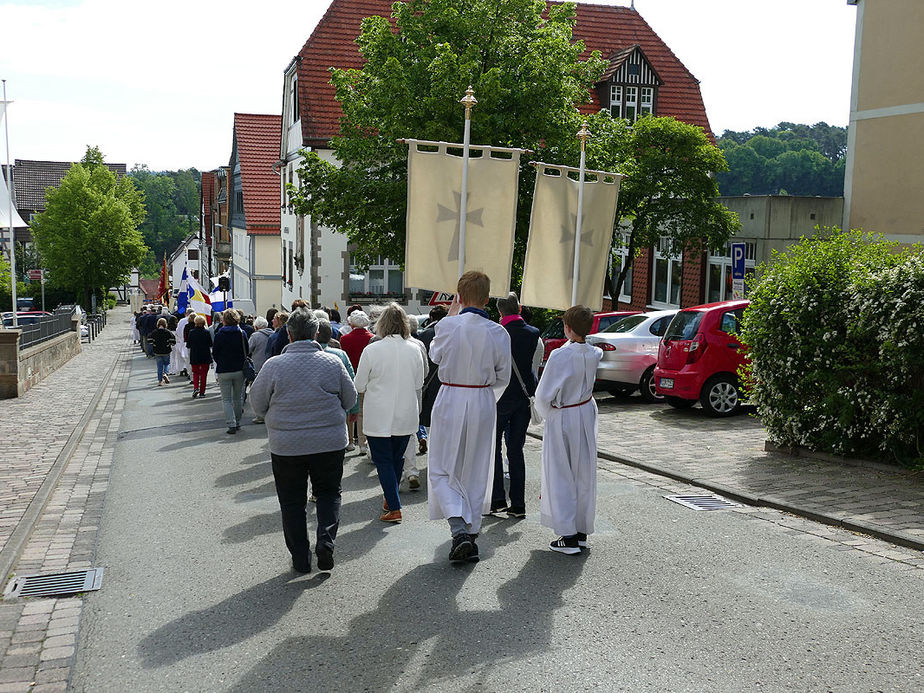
[(462, 390)]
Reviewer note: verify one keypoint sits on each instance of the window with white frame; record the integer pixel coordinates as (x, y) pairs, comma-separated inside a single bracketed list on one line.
[(719, 272), (616, 100), (646, 105), (667, 275), (620, 258), (630, 104), (383, 278)]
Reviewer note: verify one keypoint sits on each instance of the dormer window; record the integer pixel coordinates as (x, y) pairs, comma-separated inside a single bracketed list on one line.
[(632, 84)]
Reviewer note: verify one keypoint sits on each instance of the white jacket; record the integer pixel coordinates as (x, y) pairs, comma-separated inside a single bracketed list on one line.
[(390, 373)]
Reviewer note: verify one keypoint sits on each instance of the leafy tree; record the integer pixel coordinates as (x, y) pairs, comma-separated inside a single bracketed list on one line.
[(526, 73), (786, 159), (88, 234), (669, 190)]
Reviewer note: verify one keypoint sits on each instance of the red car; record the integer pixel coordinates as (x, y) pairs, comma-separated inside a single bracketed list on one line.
[(699, 356), (553, 336)]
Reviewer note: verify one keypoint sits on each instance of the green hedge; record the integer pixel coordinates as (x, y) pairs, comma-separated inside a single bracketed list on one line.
[(836, 337)]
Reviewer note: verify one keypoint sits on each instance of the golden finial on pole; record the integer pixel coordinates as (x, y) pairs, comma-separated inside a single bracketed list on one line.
[(469, 102), (584, 133)]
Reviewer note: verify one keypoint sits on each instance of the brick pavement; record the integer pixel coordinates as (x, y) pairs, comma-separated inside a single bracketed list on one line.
[(38, 636), (727, 455)]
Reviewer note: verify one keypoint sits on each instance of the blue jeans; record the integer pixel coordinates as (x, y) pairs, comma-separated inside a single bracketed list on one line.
[(232, 396), (163, 363), (388, 457)]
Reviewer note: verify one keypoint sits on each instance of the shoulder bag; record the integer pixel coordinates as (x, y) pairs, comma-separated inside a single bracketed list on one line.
[(534, 417), (250, 373)]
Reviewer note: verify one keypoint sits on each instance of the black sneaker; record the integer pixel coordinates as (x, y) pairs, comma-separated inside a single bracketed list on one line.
[(567, 545), (302, 566), (582, 539), (461, 548), (473, 556), (517, 512), (325, 558), (232, 431), (497, 508), (195, 395)]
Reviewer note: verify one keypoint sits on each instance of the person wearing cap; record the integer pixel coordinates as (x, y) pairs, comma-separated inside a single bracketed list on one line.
[(513, 408), (353, 343)]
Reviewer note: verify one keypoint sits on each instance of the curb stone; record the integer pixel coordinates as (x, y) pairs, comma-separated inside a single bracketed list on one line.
[(833, 519)]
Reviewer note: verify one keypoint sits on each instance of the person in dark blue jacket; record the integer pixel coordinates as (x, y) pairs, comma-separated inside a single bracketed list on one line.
[(513, 407), (230, 350), (199, 342)]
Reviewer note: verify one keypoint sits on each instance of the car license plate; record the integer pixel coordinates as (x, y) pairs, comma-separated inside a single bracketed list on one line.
[(666, 383)]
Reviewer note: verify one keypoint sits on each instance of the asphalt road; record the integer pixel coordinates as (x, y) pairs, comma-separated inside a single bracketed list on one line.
[(198, 594)]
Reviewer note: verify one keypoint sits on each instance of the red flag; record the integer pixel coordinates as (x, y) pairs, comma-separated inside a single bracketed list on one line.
[(164, 286)]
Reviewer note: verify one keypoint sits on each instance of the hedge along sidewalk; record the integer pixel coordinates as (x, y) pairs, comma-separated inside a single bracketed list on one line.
[(727, 456)]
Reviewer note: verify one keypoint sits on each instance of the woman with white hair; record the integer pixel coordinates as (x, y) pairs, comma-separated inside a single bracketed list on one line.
[(391, 371), (353, 343)]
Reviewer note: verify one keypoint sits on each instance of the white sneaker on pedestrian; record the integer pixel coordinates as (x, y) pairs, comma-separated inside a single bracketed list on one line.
[(363, 450), (258, 420), (413, 482), (350, 447)]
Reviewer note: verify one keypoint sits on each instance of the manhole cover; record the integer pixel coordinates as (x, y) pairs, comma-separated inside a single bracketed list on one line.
[(703, 502), (55, 584)]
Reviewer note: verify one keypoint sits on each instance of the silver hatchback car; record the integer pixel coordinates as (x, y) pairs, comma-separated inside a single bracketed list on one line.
[(630, 352)]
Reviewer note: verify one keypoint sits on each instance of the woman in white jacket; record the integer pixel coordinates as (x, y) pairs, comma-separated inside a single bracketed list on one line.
[(391, 371)]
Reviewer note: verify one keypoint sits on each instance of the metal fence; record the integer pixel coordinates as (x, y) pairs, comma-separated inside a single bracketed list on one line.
[(45, 328)]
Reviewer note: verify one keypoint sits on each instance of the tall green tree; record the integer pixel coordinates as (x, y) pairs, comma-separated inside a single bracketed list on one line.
[(527, 75), (669, 190), (88, 234)]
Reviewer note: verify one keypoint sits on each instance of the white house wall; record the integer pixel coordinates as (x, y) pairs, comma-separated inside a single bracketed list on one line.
[(241, 254)]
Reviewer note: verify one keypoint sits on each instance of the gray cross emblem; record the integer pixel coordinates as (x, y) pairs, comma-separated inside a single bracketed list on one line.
[(567, 236), (445, 214)]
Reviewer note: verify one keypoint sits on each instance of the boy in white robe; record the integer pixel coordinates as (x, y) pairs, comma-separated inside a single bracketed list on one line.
[(473, 355), (569, 446)]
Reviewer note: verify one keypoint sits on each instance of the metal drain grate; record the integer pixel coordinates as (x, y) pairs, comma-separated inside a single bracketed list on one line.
[(55, 584), (704, 502)]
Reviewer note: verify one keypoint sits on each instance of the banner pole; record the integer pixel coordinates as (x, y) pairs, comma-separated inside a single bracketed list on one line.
[(583, 135), (468, 101), (9, 180)]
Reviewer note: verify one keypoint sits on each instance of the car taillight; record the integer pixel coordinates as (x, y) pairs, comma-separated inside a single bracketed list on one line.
[(697, 347)]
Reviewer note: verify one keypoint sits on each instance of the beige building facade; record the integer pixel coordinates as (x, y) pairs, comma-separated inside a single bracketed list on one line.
[(885, 160)]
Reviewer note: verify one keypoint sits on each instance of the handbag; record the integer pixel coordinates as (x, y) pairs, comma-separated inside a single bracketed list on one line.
[(250, 372), (535, 417)]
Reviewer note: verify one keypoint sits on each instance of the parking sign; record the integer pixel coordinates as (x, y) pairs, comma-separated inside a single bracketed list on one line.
[(737, 251)]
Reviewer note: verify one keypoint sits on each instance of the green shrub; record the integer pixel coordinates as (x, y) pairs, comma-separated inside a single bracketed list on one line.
[(837, 346)]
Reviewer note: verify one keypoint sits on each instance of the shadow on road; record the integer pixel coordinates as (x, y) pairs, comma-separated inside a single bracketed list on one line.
[(437, 641)]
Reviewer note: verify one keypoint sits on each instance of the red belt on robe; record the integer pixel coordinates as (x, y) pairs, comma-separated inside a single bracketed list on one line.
[(469, 386), (568, 406)]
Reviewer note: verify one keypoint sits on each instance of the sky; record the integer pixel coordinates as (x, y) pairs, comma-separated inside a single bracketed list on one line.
[(158, 83)]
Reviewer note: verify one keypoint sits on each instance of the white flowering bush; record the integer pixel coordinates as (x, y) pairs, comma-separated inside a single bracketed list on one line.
[(835, 331)]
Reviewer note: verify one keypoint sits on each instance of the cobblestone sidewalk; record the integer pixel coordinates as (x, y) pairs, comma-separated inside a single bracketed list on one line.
[(727, 456), (38, 637)]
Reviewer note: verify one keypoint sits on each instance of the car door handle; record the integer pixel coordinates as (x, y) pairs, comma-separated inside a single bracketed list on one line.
[(733, 345)]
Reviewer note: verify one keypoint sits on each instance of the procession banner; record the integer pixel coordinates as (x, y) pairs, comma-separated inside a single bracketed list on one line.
[(548, 271), (434, 201)]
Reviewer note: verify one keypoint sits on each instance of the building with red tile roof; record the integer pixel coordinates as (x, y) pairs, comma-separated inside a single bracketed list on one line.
[(255, 196), (643, 76)]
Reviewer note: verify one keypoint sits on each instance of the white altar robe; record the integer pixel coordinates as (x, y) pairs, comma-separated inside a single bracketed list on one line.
[(182, 349), (470, 350), (569, 443)]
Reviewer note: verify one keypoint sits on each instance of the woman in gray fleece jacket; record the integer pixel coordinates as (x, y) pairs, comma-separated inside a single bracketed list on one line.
[(303, 395)]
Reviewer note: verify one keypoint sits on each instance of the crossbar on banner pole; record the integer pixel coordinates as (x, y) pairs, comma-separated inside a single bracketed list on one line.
[(583, 135)]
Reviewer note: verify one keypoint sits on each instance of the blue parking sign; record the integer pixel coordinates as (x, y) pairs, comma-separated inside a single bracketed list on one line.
[(737, 252)]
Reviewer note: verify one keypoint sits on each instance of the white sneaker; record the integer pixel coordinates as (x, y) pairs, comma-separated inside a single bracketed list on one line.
[(350, 447), (258, 420), (363, 450)]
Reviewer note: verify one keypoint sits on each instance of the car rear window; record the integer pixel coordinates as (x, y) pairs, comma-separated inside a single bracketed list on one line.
[(555, 330), (626, 324), (684, 325)]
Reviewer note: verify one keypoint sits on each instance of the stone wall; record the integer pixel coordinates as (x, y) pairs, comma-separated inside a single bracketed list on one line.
[(20, 370)]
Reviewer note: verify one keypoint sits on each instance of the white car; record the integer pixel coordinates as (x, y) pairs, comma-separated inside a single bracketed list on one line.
[(630, 353)]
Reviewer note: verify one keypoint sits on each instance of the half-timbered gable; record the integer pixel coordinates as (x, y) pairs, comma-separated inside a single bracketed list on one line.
[(629, 86)]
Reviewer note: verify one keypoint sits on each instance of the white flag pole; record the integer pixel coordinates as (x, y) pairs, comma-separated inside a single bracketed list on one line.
[(9, 180), (468, 101), (583, 135)]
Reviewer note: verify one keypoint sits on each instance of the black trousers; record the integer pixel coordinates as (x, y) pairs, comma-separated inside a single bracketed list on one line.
[(512, 423), (291, 474)]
